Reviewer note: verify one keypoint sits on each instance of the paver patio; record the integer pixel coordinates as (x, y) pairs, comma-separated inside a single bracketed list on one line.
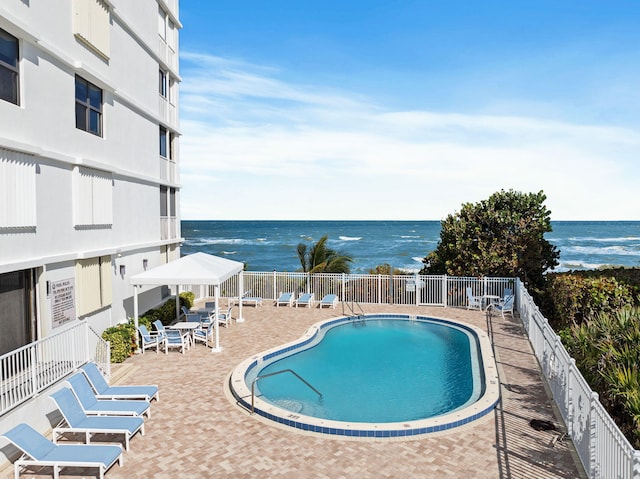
[(197, 430)]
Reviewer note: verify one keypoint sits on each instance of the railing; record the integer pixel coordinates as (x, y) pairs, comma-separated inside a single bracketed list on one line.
[(167, 54), (36, 366), (168, 170), (447, 291), (601, 446), (169, 227), (352, 308), (167, 111), (253, 384)]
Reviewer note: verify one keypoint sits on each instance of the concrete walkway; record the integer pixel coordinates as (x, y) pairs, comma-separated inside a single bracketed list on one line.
[(196, 430)]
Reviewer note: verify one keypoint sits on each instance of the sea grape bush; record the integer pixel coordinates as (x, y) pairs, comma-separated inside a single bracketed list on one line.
[(575, 297)]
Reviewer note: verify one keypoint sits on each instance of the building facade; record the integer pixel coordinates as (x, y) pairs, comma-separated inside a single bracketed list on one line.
[(89, 160)]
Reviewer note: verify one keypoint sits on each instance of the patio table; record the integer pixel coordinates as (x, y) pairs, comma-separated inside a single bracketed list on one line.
[(487, 300), (186, 327)]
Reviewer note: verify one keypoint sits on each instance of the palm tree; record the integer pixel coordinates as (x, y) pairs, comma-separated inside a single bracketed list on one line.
[(322, 259)]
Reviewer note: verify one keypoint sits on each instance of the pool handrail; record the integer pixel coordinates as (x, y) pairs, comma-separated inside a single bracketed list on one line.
[(253, 384)]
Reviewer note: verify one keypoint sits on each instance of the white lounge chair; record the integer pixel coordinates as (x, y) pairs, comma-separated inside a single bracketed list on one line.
[(504, 306), (251, 300), (38, 451), (149, 340), (472, 301), (92, 406), (224, 316), (78, 422), (305, 299), (204, 334), (329, 300), (105, 391), (285, 299)]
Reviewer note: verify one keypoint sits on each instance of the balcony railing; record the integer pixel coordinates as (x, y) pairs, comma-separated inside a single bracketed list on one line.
[(34, 367), (168, 170), (167, 111), (167, 54), (169, 227)]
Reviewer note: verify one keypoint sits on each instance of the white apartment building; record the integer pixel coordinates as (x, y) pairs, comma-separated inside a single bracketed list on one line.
[(89, 157)]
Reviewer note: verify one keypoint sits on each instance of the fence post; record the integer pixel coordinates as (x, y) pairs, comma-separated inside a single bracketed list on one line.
[(594, 467), (444, 291), (34, 369), (343, 286), (86, 341), (417, 280), (569, 396), (275, 290)]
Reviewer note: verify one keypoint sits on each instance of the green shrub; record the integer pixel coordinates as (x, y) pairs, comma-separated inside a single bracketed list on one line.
[(574, 297), (121, 338), (187, 298), (166, 312)]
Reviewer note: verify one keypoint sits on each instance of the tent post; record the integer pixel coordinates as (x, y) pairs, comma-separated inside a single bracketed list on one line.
[(240, 319), (135, 315), (177, 302), (216, 297)]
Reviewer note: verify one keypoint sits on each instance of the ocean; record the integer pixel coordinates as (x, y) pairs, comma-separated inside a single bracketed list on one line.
[(271, 245)]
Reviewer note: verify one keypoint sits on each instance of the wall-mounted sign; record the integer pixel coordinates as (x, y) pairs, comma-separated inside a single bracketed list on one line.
[(63, 301)]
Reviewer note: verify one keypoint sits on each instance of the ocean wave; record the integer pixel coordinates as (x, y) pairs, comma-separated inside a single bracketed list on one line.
[(210, 241), (410, 236), (565, 266), (617, 239), (350, 238), (229, 252), (417, 258), (599, 250)]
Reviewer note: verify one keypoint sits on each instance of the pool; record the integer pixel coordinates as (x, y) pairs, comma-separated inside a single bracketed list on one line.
[(373, 376)]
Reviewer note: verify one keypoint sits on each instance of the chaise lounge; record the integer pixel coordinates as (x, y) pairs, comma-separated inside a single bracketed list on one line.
[(305, 299), (105, 391), (92, 406), (285, 299), (251, 300), (329, 300), (78, 422), (38, 451)]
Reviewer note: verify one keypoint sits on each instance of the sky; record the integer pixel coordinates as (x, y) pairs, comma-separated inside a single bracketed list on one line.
[(407, 109)]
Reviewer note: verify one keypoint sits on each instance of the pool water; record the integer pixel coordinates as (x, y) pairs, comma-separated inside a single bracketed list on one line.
[(380, 376), (378, 371)]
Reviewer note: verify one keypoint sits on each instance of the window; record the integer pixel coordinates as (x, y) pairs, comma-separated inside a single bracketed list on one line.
[(9, 56), (91, 25), (17, 190), (163, 142), (164, 206), (93, 284), (88, 107), (167, 202), (162, 24), (93, 197), (163, 84)]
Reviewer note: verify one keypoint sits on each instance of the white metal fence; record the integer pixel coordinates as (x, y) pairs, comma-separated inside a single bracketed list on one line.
[(364, 288), (34, 367), (603, 450)]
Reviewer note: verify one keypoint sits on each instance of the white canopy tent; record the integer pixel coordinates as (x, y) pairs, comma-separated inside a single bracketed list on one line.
[(196, 268)]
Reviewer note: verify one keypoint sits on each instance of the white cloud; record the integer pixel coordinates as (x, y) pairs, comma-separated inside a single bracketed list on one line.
[(255, 146)]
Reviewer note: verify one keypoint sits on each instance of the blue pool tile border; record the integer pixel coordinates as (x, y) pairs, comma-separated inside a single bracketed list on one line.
[(382, 430)]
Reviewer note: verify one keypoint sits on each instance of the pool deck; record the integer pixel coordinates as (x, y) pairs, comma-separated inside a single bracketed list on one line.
[(196, 430)]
